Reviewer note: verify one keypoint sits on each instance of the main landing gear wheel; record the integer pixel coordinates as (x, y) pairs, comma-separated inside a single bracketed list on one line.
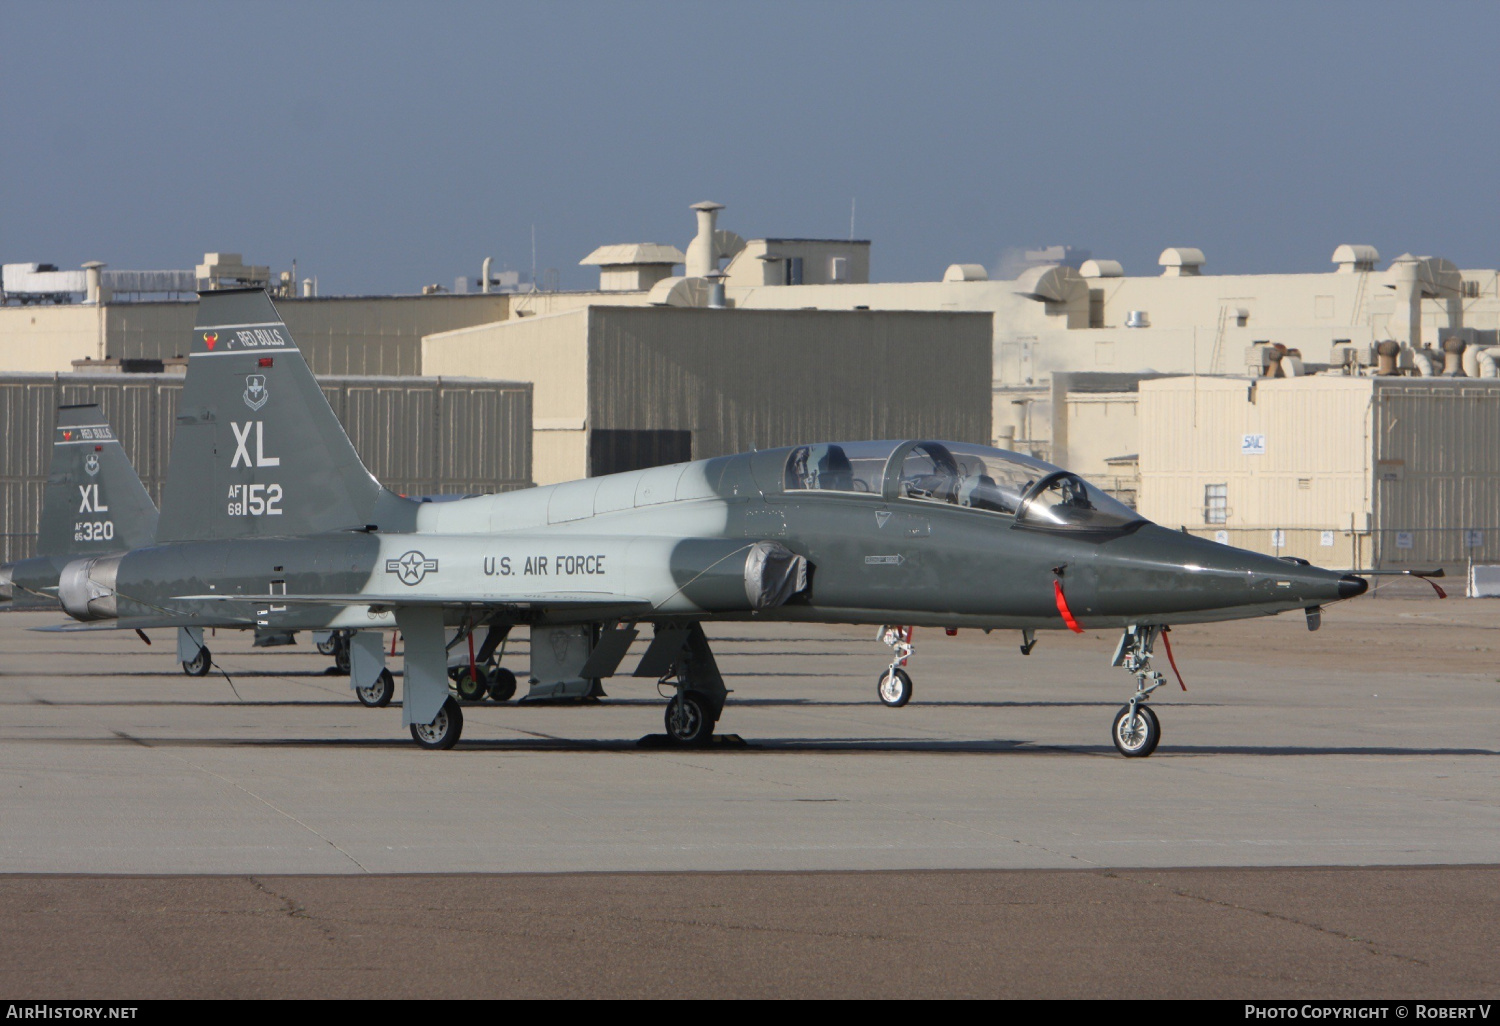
[(687, 720), (895, 688), (379, 694), (469, 687), (200, 664), (502, 685), (1137, 740), (327, 647), (443, 732)]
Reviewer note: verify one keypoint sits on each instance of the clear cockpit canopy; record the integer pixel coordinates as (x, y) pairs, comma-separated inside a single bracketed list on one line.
[(1063, 501), (850, 467), (1039, 495)]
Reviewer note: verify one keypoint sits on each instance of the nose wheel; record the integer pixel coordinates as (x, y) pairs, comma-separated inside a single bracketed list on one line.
[(1136, 731), (895, 687)]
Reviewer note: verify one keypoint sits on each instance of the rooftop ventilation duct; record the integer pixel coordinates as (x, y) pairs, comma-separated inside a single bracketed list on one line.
[(1102, 269), (966, 272), (633, 267), (1181, 262), (1049, 284), (1351, 258)]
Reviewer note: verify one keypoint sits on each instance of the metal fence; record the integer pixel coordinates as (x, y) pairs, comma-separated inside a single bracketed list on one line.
[(418, 436)]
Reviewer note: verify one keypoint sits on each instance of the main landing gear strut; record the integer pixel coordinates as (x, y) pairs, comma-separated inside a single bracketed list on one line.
[(695, 709), (1136, 729)]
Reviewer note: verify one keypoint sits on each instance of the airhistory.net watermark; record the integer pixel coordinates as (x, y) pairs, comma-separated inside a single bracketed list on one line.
[(44, 1010)]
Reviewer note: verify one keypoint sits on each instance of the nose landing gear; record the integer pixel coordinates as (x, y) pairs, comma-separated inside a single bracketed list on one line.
[(895, 686), (1136, 729)]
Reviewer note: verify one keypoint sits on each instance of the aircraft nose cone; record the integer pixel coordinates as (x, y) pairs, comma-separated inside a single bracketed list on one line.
[(1351, 586)]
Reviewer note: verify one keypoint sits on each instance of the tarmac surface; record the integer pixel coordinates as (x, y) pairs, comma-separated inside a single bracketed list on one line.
[(1302, 934), (1373, 742)]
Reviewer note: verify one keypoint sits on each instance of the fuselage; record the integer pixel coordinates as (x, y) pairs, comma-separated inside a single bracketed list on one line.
[(890, 546)]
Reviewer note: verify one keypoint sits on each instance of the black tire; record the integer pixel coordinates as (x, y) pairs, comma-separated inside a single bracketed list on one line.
[(687, 720), (379, 694), (1143, 740), (894, 690), (200, 664), (469, 687), (502, 685), (341, 659), (444, 731), (327, 647)]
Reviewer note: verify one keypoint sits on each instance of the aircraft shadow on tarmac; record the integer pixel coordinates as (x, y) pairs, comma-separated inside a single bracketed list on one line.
[(733, 745), (800, 703)]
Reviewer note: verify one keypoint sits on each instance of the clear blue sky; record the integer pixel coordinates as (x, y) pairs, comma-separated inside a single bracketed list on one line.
[(390, 145)]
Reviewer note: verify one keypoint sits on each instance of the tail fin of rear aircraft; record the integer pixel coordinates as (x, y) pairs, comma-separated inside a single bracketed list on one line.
[(258, 451), (94, 501)]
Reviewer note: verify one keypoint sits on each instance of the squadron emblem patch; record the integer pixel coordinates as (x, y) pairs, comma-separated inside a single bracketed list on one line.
[(256, 392)]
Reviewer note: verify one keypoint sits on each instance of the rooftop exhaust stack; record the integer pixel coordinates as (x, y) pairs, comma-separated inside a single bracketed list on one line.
[(94, 291), (702, 256)]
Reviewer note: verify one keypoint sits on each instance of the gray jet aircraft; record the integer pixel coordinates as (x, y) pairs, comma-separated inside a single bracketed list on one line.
[(93, 503), (269, 515)]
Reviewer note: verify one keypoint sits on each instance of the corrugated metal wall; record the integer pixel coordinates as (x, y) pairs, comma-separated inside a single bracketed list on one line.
[(419, 436), (1437, 470), (745, 379), (1310, 473), (338, 335)]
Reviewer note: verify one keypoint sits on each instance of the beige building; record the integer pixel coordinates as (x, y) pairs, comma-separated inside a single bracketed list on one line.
[(1343, 471), (339, 335), (1096, 320)]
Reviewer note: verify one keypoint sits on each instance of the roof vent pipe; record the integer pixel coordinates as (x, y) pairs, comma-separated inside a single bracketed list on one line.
[(1385, 357), (1422, 360), (94, 282), (1453, 357), (701, 258), (484, 274), (716, 291)]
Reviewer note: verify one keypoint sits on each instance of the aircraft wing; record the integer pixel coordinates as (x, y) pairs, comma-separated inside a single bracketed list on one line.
[(534, 601), (137, 623)]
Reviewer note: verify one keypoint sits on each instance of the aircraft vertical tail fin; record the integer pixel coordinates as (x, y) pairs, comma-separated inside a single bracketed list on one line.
[(258, 451), (94, 501)]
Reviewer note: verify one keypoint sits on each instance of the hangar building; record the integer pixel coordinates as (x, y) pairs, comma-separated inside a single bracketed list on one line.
[(620, 388)]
